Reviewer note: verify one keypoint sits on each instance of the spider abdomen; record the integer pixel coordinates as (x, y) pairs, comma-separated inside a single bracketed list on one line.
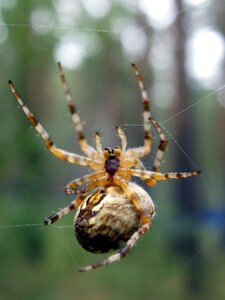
[(107, 219)]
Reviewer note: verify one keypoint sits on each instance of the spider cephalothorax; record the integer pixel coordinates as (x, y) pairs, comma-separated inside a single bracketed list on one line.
[(112, 212), (112, 160)]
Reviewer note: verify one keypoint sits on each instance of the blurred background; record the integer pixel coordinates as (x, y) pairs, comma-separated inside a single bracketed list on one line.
[(179, 48)]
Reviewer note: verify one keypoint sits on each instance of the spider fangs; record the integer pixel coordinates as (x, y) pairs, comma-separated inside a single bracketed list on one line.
[(112, 212)]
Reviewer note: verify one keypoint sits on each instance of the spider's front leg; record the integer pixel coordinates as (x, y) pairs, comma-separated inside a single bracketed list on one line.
[(146, 148), (60, 153), (85, 147)]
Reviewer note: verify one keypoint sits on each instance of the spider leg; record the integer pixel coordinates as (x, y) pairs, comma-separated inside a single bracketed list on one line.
[(65, 211), (160, 152), (99, 182), (85, 147), (134, 198), (130, 152), (161, 148), (139, 165), (117, 257), (72, 185), (144, 150), (76, 203), (122, 137), (60, 153), (98, 142), (149, 177)]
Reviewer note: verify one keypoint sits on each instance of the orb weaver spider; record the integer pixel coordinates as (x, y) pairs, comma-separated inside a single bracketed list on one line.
[(112, 212)]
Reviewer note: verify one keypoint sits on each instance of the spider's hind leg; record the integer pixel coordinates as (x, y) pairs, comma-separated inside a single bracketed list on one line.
[(117, 257), (145, 209)]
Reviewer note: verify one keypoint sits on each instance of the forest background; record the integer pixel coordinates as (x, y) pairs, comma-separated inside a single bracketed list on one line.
[(179, 48)]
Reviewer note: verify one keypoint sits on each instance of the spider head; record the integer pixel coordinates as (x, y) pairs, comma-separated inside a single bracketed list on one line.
[(112, 159), (112, 152)]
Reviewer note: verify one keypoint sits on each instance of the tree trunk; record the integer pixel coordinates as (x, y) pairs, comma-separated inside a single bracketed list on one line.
[(186, 242)]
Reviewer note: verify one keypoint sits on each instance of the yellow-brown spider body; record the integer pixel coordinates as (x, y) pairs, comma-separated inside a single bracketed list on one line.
[(107, 218), (112, 211)]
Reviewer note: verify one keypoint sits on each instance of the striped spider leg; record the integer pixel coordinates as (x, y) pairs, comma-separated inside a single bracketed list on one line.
[(70, 189), (148, 176), (146, 118), (160, 152), (66, 210), (144, 150), (85, 147), (62, 154)]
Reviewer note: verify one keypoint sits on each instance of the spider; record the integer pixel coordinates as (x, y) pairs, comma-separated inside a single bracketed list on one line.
[(112, 212)]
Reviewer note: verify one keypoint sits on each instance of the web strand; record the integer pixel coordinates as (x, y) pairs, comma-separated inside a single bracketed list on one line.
[(58, 27), (67, 245), (194, 104), (31, 225), (24, 25)]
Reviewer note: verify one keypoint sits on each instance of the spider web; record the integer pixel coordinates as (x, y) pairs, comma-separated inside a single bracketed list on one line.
[(164, 123)]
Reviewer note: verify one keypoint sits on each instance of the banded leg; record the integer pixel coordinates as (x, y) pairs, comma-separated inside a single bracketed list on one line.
[(85, 147), (65, 211), (60, 153), (122, 137), (149, 176), (72, 185), (123, 252), (161, 148), (94, 182), (146, 115)]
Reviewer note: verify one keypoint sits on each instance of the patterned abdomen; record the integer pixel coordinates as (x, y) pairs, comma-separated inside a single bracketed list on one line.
[(105, 220)]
